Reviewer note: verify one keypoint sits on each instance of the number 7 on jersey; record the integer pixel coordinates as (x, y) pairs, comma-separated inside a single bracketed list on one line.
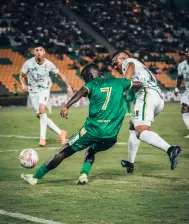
[(108, 91)]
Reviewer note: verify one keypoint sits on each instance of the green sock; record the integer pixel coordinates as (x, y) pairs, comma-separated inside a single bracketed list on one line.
[(40, 172), (86, 168), (128, 107)]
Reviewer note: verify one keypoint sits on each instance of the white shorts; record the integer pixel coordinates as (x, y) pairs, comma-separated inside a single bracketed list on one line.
[(41, 97), (148, 105), (185, 98)]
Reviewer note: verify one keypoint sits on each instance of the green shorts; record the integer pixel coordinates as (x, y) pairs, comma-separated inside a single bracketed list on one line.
[(84, 139)]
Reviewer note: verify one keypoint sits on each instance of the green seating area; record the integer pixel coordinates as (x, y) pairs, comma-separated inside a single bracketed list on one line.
[(5, 61)]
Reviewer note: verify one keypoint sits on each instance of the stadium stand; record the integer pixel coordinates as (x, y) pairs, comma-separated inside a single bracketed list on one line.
[(137, 25), (144, 28)]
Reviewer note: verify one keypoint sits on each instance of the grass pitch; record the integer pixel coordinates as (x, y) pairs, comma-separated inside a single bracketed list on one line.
[(153, 194)]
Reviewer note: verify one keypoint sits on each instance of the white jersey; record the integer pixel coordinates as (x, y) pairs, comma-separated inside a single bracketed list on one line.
[(183, 70), (38, 75), (142, 74)]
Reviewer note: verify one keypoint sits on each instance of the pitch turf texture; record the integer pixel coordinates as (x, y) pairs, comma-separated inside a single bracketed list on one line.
[(153, 194)]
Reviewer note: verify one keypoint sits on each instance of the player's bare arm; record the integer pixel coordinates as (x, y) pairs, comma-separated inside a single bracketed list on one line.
[(136, 85), (130, 71), (178, 84), (64, 79), (22, 81), (82, 92)]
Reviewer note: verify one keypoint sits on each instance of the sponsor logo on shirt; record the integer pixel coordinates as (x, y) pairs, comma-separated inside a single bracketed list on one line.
[(83, 132)]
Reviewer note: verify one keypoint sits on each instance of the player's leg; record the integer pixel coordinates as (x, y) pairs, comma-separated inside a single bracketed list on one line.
[(43, 124), (133, 146), (61, 133), (185, 115), (87, 165), (144, 114), (99, 146), (185, 110), (151, 106), (65, 152), (43, 100), (76, 143), (40, 111), (49, 108)]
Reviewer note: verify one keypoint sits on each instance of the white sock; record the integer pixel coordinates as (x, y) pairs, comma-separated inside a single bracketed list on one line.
[(133, 146), (53, 126), (43, 126), (185, 118), (154, 139), (50, 110)]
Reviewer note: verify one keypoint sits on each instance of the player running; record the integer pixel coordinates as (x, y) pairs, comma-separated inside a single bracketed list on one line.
[(149, 103), (106, 113), (183, 74), (37, 70)]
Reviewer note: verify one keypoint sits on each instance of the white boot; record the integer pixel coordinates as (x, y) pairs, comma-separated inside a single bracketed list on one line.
[(82, 179)]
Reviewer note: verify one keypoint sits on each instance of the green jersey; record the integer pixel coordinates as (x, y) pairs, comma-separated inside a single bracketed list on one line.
[(107, 106), (130, 96)]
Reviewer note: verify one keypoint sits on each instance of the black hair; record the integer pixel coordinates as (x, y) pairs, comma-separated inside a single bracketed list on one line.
[(38, 45), (118, 52), (87, 74)]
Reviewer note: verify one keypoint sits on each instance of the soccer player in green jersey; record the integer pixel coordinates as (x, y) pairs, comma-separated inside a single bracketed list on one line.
[(106, 113)]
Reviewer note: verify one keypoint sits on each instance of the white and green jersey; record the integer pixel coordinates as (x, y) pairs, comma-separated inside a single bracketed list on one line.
[(142, 74), (38, 75), (183, 70)]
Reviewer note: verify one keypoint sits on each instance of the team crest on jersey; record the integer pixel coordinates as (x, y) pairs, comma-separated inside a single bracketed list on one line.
[(34, 69), (83, 132), (184, 69)]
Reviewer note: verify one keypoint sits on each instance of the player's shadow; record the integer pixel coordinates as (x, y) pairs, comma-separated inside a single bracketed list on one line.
[(53, 141), (110, 175), (185, 155), (106, 175), (60, 181)]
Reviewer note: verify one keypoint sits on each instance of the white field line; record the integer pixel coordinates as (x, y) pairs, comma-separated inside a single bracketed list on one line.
[(121, 143), (28, 217), (49, 148), (19, 136), (37, 149)]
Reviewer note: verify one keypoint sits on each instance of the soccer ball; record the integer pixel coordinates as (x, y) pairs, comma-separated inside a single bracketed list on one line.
[(28, 158)]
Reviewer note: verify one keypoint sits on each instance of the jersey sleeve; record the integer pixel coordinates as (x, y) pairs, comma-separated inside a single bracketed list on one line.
[(180, 70), (25, 68), (126, 83), (54, 69), (89, 86), (131, 95), (126, 63)]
